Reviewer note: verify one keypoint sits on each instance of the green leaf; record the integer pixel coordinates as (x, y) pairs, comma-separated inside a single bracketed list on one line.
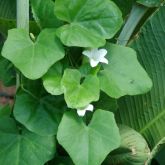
[(33, 59), (146, 113), (23, 148), (89, 145), (150, 3), (123, 75), (79, 94), (125, 6), (157, 153), (160, 155), (75, 35), (5, 111), (41, 115), (133, 150), (88, 21), (43, 12), (8, 9), (52, 79), (7, 72)]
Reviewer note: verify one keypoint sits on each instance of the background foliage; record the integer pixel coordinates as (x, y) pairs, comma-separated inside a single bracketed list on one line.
[(54, 79)]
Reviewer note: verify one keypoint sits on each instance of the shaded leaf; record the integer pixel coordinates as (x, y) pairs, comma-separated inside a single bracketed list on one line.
[(150, 3), (125, 6), (61, 160), (105, 102), (25, 148), (8, 9), (7, 72), (5, 111), (41, 115), (43, 12)]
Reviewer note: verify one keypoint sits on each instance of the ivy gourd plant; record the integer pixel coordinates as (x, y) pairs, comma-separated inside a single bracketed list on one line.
[(81, 79)]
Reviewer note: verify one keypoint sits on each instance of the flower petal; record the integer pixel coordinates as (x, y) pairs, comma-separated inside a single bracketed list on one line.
[(102, 52), (81, 112), (93, 63), (86, 53), (90, 107), (104, 60)]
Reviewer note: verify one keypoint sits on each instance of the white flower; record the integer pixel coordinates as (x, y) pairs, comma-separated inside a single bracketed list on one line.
[(95, 56), (81, 112)]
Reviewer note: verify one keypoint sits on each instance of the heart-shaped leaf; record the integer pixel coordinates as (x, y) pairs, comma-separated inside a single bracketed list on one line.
[(79, 95), (25, 147), (123, 75), (33, 59), (89, 145), (52, 79), (41, 115), (90, 21)]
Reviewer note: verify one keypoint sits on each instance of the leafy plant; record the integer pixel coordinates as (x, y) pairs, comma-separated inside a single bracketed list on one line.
[(68, 57)]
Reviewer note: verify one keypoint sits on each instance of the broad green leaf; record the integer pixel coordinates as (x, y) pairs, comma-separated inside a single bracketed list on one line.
[(146, 113), (5, 111), (150, 3), (33, 59), (41, 115), (52, 79), (43, 12), (79, 94), (123, 75), (23, 148), (88, 145), (75, 35), (88, 21), (133, 150)]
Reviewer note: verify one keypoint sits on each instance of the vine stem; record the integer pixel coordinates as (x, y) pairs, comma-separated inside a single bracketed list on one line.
[(23, 23), (137, 13), (23, 14)]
